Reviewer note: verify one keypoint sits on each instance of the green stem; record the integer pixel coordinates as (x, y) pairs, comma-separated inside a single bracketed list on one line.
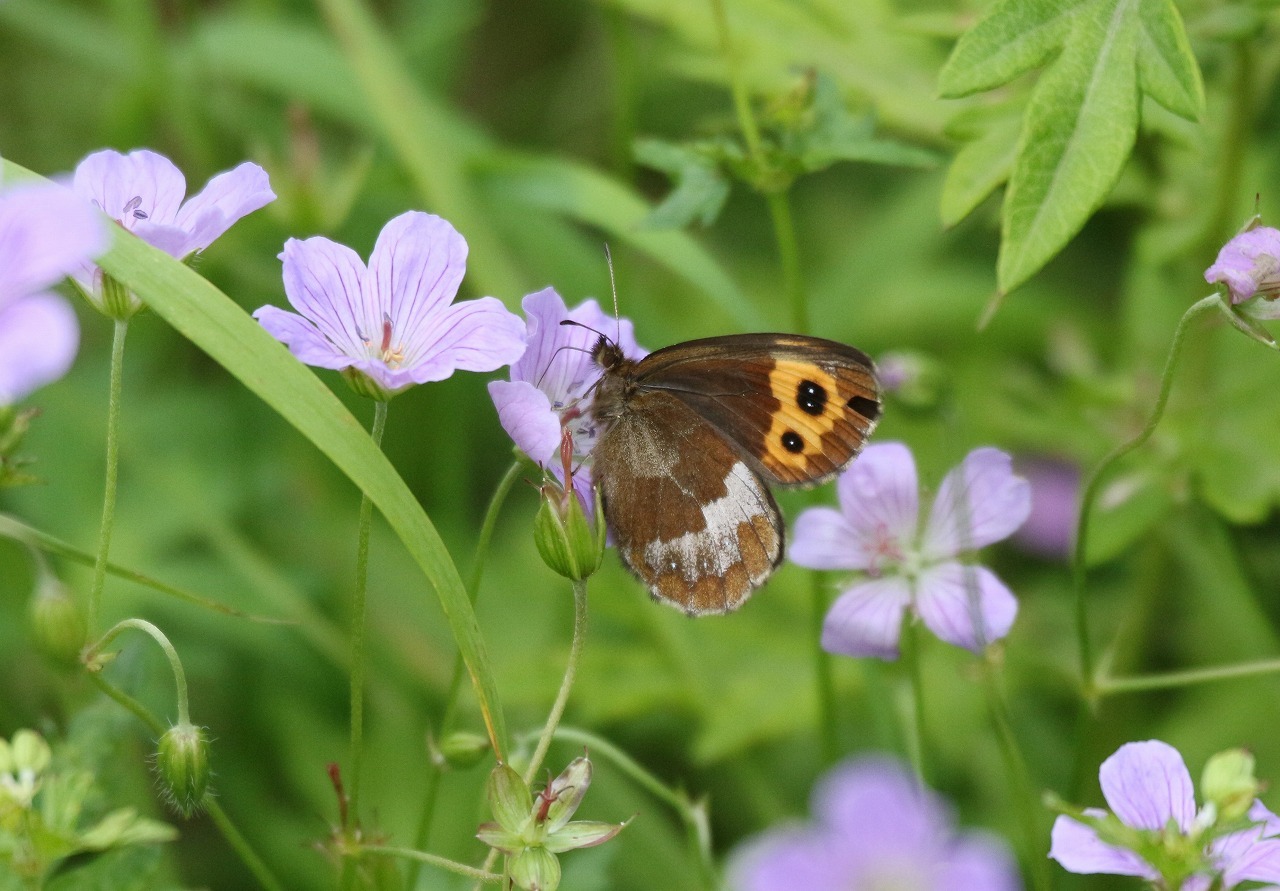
[(251, 860), (175, 664), (784, 232), (692, 814), (823, 673), (1026, 801), (570, 670), (741, 101), (113, 464), (1138, 683), (358, 624), (913, 729), (1089, 494), (431, 793), (420, 857)]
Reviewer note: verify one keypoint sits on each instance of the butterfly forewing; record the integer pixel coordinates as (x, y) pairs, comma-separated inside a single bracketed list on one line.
[(798, 408)]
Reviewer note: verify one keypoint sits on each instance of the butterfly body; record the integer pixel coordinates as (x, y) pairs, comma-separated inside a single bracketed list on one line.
[(692, 436)]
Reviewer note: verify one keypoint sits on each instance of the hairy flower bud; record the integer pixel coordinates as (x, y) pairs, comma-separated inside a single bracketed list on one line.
[(569, 543), (182, 765), (57, 621)]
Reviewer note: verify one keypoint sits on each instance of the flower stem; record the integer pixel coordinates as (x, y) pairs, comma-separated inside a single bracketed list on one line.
[(741, 101), (113, 465), (1139, 683), (431, 792), (420, 857), (823, 674), (175, 664), (570, 670), (247, 855), (913, 727), (1089, 493), (784, 232), (358, 623), (1026, 801)]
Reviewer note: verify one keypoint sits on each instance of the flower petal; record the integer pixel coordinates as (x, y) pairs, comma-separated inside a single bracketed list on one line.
[(979, 502), (880, 810), (227, 197), (978, 861), (879, 496), (39, 336), (414, 272), (1078, 849), (302, 338), (789, 858), (824, 538), (141, 185), (866, 619), (581, 834), (46, 231), (965, 605), (1248, 262), (1248, 855), (1146, 784), (525, 413), (322, 280), (474, 335)]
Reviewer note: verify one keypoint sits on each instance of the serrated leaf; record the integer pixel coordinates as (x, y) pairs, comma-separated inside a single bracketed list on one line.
[(1167, 69), (1079, 129), (700, 187), (979, 167), (1015, 37)]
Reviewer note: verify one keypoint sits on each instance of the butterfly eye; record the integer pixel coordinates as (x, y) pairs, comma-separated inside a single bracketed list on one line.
[(792, 442), (812, 398)]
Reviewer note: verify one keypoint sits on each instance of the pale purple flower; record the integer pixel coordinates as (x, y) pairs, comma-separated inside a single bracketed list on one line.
[(143, 192), (1147, 787), (1050, 529), (877, 530), (1249, 266), (873, 828), (45, 233), (395, 323), (548, 390)]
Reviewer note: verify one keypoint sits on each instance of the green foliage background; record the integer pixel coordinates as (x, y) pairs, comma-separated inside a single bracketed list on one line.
[(517, 121)]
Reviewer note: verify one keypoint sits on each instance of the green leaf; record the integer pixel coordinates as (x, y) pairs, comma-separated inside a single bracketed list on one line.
[(700, 188), (215, 324), (589, 196), (981, 164), (1015, 37), (1167, 69), (1079, 129), (838, 135)]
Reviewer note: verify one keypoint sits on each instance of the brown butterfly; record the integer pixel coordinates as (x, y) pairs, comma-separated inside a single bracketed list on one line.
[(693, 433)]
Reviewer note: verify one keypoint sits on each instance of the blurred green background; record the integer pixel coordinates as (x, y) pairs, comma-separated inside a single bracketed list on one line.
[(516, 121)]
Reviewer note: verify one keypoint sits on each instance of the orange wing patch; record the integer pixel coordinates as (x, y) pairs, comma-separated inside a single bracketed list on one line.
[(823, 418)]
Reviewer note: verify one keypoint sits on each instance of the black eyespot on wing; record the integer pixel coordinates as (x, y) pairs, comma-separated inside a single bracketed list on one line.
[(868, 408), (792, 442), (811, 397)]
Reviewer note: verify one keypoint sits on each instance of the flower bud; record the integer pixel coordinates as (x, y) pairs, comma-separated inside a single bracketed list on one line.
[(57, 621), (462, 749), (569, 543), (182, 764), (118, 302), (1228, 783), (914, 379), (366, 386)]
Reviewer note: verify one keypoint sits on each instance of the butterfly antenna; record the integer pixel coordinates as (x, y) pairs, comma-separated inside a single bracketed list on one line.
[(613, 286)]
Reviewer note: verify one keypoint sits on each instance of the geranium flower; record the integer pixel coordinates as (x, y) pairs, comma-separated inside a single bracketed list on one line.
[(45, 233), (1050, 530), (1153, 809), (1249, 266), (873, 827), (547, 392), (877, 530), (393, 324), (143, 192)]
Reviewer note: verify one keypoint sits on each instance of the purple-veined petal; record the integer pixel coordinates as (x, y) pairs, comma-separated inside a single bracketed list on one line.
[(1248, 263), (978, 861), (414, 272), (46, 232), (322, 280), (525, 413), (1147, 783), (227, 197), (824, 539), (879, 497), (1078, 849), (173, 240), (302, 338), (866, 620), (1249, 855), (141, 185), (965, 605), (558, 359), (474, 335), (979, 502), (39, 336)]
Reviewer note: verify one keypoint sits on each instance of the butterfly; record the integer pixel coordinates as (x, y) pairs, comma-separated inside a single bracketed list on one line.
[(692, 436)]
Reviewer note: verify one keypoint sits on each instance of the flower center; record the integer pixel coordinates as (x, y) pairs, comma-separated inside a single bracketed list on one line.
[(392, 354), (132, 211), (886, 551)]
